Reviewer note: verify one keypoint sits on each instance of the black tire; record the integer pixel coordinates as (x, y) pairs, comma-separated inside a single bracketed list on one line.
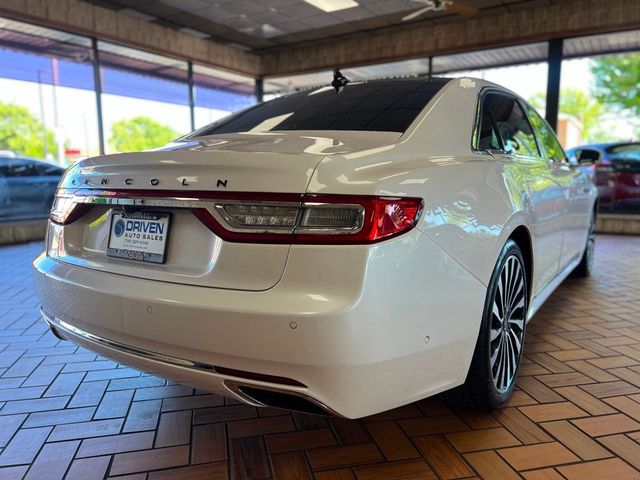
[(481, 390), (585, 267)]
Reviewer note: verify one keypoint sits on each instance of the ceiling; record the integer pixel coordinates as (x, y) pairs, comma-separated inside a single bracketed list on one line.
[(258, 25), (578, 47)]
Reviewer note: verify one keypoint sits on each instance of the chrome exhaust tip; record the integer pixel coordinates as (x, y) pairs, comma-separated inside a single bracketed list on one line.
[(285, 400)]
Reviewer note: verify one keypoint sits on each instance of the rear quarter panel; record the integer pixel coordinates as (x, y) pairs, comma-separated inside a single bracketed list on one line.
[(472, 201)]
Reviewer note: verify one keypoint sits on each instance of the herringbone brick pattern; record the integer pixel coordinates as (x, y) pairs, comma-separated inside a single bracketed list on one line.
[(65, 412)]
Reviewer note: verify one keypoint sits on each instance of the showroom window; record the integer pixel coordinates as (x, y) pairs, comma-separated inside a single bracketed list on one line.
[(218, 93), (145, 98), (599, 108), (47, 94)]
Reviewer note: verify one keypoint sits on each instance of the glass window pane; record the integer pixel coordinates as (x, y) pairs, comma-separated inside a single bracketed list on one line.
[(145, 100), (376, 106), (515, 130), (550, 144), (488, 138), (219, 93), (47, 98)]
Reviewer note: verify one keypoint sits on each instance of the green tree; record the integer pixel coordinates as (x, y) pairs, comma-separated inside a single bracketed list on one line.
[(580, 105), (139, 133), (22, 132), (617, 82)]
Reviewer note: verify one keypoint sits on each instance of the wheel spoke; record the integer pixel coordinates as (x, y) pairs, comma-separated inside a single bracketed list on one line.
[(496, 312), (507, 362), (516, 294), (516, 341), (501, 292), (495, 354), (505, 373), (515, 288), (520, 304), (517, 322), (513, 358), (495, 333)]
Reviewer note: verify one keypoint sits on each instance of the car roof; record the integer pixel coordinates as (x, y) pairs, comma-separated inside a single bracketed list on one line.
[(603, 147)]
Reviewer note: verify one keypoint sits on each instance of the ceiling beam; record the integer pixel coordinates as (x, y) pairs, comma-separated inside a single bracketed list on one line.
[(76, 16), (538, 23)]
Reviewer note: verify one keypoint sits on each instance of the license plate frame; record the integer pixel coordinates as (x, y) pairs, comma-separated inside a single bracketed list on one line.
[(156, 254)]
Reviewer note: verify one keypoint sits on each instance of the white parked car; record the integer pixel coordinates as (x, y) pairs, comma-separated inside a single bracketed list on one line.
[(325, 252)]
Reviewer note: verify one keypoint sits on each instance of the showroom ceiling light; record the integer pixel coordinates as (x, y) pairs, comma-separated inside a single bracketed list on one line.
[(332, 5)]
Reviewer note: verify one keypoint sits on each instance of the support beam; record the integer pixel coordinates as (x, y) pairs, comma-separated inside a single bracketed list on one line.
[(538, 23), (553, 82), (259, 90), (192, 96), (84, 18), (97, 85)]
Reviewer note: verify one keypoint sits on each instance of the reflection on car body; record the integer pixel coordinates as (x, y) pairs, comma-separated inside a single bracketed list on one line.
[(27, 187)]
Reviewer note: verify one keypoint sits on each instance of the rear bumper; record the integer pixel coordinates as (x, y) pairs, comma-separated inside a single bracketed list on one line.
[(400, 328)]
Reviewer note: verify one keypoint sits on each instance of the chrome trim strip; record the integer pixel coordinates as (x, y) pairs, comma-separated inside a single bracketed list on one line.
[(63, 326), (216, 209), (232, 385), (213, 206)]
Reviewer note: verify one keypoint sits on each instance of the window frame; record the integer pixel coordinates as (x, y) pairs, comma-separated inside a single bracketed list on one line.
[(478, 125)]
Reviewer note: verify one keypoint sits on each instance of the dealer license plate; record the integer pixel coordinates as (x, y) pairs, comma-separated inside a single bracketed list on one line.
[(140, 236)]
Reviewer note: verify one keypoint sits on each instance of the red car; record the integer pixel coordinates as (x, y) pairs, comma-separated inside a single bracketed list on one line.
[(616, 172)]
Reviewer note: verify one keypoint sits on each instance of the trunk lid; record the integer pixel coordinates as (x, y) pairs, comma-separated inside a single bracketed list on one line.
[(262, 163)]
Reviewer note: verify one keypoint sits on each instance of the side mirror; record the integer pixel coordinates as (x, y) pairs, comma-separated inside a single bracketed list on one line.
[(588, 157)]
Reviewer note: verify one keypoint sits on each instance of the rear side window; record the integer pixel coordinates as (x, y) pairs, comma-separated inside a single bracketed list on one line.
[(389, 106), (17, 167), (488, 137), (512, 124), (552, 148), (48, 170)]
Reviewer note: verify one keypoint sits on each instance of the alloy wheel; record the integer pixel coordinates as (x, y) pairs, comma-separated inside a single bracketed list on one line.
[(507, 323)]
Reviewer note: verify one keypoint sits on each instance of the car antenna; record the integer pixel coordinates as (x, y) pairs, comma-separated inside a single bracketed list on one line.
[(339, 81)]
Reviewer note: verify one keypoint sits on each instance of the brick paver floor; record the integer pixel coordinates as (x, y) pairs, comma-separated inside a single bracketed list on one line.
[(66, 412)]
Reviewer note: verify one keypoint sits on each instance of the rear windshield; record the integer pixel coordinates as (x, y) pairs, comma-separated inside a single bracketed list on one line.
[(379, 106)]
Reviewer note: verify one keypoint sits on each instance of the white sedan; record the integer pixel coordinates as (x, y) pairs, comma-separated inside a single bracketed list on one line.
[(341, 253)]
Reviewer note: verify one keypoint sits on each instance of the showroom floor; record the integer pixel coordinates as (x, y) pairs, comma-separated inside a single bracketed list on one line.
[(576, 415)]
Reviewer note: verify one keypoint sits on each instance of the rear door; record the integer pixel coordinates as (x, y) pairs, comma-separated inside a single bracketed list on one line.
[(576, 186), (533, 175)]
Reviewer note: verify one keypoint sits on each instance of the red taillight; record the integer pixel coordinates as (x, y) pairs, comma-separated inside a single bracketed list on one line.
[(65, 209), (394, 216), (382, 218), (319, 219), (266, 218)]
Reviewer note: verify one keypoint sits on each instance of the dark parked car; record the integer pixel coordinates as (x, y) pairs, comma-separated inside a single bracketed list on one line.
[(615, 168), (27, 187)]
